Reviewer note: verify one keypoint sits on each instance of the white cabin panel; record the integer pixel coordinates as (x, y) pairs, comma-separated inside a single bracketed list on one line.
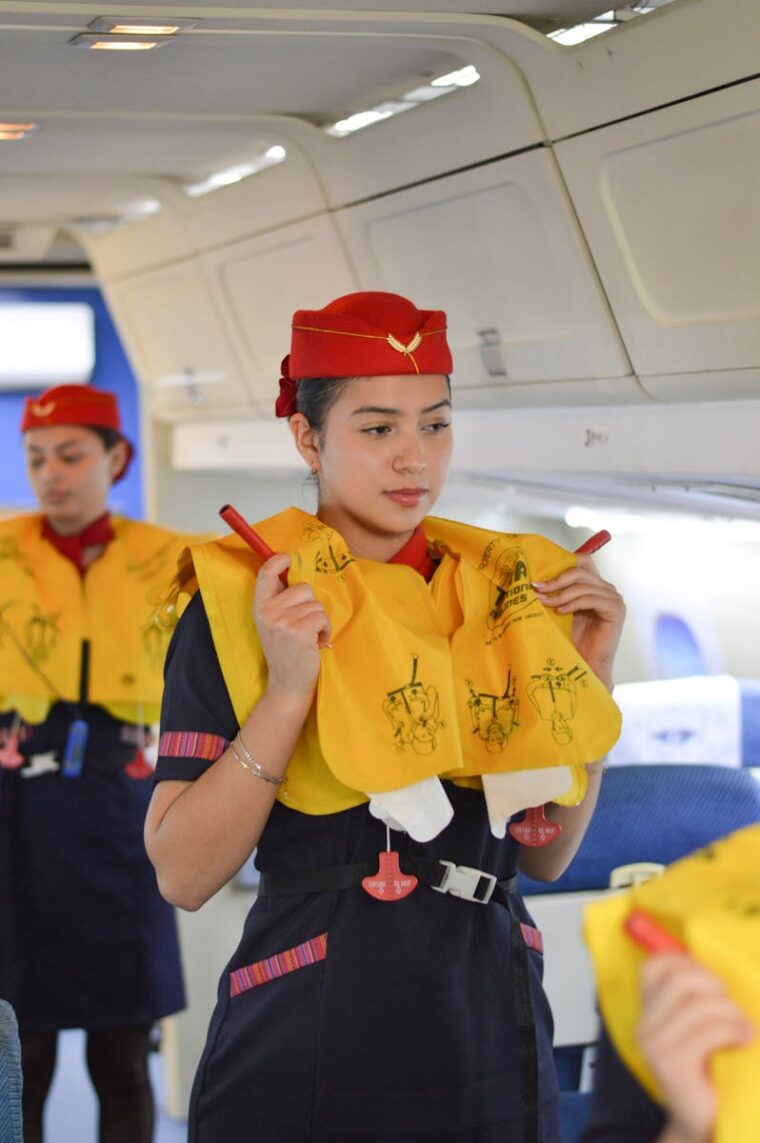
[(668, 203), (261, 282), (499, 250), (169, 322)]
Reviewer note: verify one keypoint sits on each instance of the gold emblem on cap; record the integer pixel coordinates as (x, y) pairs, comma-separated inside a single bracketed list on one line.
[(399, 346), (41, 410)]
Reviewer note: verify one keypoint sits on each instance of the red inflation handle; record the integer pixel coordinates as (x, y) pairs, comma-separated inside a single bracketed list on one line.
[(254, 541), (594, 543), (648, 933)]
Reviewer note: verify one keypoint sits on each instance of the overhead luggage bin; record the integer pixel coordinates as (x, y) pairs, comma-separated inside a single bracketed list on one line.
[(673, 233), (499, 249), (261, 282), (170, 323)]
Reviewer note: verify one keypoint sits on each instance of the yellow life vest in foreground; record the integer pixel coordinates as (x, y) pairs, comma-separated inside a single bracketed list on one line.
[(47, 610), (465, 676), (711, 903)]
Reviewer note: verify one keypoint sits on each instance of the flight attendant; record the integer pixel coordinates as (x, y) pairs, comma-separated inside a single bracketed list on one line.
[(88, 941), (370, 707)]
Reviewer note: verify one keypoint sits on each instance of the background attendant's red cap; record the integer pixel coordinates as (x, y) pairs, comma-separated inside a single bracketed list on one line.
[(369, 334), (75, 405)]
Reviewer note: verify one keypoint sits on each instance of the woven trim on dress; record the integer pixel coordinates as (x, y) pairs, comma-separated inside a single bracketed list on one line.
[(532, 938), (262, 971), (192, 744)]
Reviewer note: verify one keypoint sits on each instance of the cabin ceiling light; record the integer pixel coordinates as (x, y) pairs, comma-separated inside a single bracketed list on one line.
[(150, 26), (14, 132), (604, 21), (224, 178), (96, 42), (442, 85)]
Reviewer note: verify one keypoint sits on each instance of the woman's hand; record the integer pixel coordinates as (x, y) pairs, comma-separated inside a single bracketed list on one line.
[(686, 1016), (598, 612), (292, 626)]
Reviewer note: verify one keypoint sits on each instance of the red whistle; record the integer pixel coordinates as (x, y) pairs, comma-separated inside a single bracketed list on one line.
[(594, 543), (648, 933), (254, 541)]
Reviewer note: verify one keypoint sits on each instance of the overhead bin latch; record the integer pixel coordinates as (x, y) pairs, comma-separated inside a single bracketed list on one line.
[(491, 352)]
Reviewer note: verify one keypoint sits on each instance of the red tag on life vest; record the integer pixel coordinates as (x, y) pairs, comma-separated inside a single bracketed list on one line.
[(534, 829), (138, 768), (389, 883), (10, 759)]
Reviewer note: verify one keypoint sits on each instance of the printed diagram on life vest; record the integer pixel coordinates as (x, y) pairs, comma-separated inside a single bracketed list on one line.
[(155, 639), (41, 633), (554, 694), (494, 717), (10, 551), (510, 590), (152, 566), (413, 711), (332, 559)]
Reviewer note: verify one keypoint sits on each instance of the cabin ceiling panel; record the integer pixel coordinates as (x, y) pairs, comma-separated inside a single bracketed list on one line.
[(668, 203), (500, 251), (120, 146), (317, 76)]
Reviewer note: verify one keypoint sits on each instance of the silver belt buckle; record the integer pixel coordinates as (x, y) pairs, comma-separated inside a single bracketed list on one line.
[(463, 881)]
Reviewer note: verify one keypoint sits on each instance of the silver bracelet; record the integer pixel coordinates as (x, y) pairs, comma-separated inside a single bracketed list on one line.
[(250, 764)]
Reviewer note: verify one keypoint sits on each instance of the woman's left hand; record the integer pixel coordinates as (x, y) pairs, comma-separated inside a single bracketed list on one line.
[(597, 609)]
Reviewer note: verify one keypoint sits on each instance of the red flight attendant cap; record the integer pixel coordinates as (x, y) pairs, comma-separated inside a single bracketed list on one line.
[(368, 334), (76, 405)]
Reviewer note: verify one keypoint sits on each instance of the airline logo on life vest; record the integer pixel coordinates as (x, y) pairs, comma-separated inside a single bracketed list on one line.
[(511, 591), (554, 692), (413, 711), (494, 717)]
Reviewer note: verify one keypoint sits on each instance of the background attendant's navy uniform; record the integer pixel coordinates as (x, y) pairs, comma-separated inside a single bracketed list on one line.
[(405, 1031), (93, 943)]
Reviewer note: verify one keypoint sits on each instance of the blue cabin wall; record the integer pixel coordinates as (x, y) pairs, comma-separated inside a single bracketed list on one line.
[(112, 371)]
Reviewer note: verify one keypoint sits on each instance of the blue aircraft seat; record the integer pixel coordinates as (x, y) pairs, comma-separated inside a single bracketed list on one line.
[(10, 1076), (653, 811)]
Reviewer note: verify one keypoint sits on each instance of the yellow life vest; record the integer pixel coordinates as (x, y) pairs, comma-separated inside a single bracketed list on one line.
[(47, 610), (711, 903), (465, 676)]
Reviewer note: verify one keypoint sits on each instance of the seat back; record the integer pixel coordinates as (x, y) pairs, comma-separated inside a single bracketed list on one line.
[(11, 1129)]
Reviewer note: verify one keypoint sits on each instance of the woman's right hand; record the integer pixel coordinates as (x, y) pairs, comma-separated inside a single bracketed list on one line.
[(292, 625), (686, 1016)]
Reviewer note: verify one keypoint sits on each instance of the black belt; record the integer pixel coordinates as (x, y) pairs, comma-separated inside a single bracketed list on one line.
[(444, 876)]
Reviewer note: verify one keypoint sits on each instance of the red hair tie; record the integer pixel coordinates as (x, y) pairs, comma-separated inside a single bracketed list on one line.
[(286, 403)]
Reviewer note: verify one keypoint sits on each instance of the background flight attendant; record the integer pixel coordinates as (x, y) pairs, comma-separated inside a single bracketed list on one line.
[(88, 941), (344, 1017)]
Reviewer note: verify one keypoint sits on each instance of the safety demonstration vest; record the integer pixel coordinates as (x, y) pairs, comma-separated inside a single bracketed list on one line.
[(48, 612), (710, 903), (463, 677)]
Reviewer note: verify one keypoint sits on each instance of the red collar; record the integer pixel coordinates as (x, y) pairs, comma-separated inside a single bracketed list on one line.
[(96, 534), (415, 554)]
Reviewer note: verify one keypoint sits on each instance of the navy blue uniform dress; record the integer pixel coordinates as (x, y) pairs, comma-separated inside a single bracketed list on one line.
[(342, 1018), (88, 942)]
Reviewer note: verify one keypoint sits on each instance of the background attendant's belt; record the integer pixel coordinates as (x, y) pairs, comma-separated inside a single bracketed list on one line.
[(443, 876)]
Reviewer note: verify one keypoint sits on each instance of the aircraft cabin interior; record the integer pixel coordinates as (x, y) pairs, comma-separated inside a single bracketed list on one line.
[(576, 186)]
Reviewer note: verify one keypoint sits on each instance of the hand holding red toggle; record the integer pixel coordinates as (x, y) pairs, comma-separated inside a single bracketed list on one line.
[(648, 933), (534, 829), (254, 541)]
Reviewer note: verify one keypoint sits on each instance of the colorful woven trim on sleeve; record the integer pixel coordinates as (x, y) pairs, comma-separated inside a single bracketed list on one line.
[(192, 744), (532, 938), (262, 971)]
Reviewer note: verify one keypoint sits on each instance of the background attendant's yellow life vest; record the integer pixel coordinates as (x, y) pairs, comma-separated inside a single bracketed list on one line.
[(711, 903), (464, 676), (47, 610)]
